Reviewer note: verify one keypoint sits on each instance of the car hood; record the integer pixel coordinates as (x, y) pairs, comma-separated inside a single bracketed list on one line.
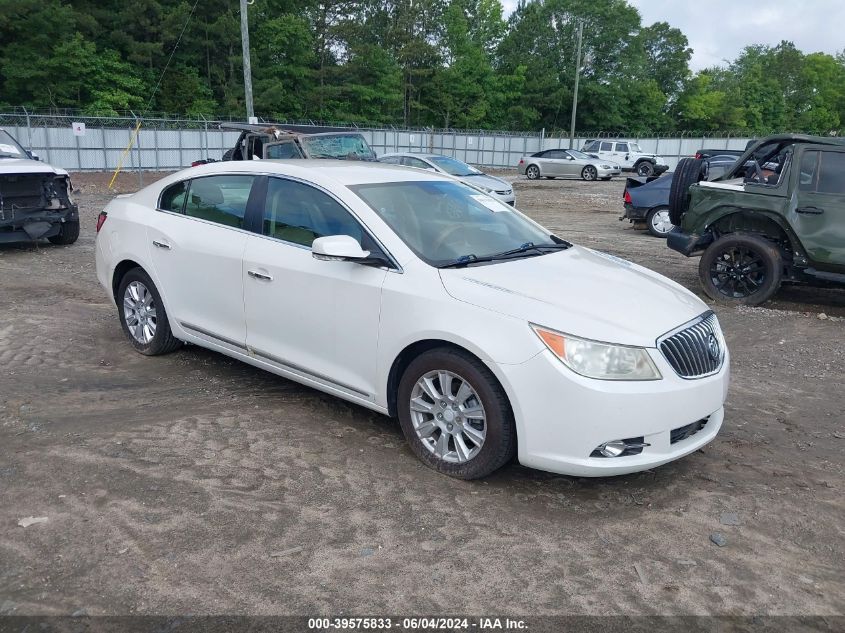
[(27, 166), (489, 182), (581, 292)]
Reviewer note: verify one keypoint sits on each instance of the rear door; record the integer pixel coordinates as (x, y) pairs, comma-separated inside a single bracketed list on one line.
[(818, 217), (316, 319), (197, 240)]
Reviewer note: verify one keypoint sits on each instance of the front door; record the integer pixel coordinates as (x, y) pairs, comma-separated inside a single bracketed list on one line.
[(818, 217), (197, 241), (318, 319)]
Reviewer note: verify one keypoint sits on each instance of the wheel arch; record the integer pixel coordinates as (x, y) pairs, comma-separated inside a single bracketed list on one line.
[(732, 219), (645, 159), (120, 270), (413, 350), (530, 165)]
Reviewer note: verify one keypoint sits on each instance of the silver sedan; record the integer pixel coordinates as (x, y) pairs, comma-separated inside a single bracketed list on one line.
[(495, 187), (553, 163)]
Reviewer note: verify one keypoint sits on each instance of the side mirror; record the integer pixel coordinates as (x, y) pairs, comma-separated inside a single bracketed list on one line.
[(338, 248), (33, 155)]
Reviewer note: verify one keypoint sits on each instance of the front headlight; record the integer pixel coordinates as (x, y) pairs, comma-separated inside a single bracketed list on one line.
[(603, 361), (606, 167)]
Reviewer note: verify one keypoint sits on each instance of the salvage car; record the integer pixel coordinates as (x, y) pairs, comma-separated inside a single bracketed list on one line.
[(35, 200), (446, 165), (777, 216), (647, 201), (417, 296), (553, 163), (628, 155), (258, 141)]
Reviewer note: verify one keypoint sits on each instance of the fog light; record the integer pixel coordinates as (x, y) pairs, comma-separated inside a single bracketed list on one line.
[(620, 448)]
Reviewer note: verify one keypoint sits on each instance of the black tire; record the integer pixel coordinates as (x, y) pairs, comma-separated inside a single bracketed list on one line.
[(533, 172), (741, 268), (645, 168), (499, 445), (650, 219), (589, 173), (227, 155), (68, 233), (688, 172), (549, 177), (163, 342)]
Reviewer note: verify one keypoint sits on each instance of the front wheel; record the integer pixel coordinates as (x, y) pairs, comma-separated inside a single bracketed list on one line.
[(589, 173), (645, 168), (658, 222), (533, 172), (142, 315), (68, 233), (455, 414), (741, 268)]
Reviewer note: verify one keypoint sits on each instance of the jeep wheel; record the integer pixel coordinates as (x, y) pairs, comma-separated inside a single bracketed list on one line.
[(533, 172), (68, 233), (645, 168), (227, 155), (741, 268), (589, 173), (658, 222), (688, 172)]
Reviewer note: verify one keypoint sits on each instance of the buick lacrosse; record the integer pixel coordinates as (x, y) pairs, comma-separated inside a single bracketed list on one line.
[(412, 294)]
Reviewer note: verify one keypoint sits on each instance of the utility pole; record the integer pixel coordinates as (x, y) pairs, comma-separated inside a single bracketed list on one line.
[(250, 113), (577, 77)]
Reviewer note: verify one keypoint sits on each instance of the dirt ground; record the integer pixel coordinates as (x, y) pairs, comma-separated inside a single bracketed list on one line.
[(192, 483)]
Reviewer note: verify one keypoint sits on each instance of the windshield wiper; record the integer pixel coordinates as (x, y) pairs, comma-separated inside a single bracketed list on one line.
[(472, 258)]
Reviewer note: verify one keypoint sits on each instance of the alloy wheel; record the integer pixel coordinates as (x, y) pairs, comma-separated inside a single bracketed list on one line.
[(738, 272), (589, 173), (448, 416), (533, 172), (139, 312)]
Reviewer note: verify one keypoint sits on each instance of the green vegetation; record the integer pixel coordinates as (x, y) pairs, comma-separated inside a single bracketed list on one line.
[(442, 63)]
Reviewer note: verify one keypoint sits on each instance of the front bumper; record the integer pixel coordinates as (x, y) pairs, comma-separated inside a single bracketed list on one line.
[(687, 243), (29, 225), (507, 198), (606, 173), (563, 417)]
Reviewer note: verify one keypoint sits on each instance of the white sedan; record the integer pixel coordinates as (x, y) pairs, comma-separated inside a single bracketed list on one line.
[(414, 295)]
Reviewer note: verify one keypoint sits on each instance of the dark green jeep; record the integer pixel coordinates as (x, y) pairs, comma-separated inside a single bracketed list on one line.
[(777, 216)]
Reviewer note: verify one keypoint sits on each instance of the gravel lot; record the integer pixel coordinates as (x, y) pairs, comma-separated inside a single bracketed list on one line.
[(194, 483)]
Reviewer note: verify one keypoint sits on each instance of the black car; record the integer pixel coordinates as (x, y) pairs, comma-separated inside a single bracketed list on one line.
[(647, 200)]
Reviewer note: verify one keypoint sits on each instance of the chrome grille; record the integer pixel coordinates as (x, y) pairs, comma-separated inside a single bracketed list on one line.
[(696, 349)]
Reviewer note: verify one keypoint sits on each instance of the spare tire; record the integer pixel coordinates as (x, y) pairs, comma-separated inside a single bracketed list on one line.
[(688, 172), (227, 155)]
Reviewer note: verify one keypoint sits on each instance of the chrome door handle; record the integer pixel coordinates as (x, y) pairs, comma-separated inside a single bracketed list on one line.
[(258, 275), (163, 245)]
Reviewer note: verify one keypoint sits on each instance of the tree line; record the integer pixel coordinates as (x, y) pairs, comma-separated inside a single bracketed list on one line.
[(442, 63)]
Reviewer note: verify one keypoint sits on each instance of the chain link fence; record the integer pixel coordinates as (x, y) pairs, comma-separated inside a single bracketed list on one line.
[(170, 143)]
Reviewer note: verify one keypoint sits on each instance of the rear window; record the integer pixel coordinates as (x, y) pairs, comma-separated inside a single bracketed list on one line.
[(173, 198)]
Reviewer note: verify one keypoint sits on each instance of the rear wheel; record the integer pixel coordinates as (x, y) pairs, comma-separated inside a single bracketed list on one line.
[(589, 173), (658, 222), (142, 315), (741, 268), (688, 172), (455, 414), (68, 233), (533, 172)]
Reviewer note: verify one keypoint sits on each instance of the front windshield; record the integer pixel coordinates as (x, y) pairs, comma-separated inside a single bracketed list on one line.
[(9, 147), (576, 154), (446, 221), (454, 167), (341, 146), (635, 147)]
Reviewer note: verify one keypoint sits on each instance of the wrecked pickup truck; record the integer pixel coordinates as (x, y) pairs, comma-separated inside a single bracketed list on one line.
[(270, 141), (35, 200)]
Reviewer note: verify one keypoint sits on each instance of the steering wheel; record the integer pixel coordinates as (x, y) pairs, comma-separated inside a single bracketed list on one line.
[(442, 239)]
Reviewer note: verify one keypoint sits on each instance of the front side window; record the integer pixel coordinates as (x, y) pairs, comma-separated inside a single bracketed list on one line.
[(808, 177), (281, 151), (173, 198), (556, 153), (298, 213), (592, 146), (606, 146), (443, 221), (832, 173), (622, 147), (219, 199), (390, 160), (577, 155), (410, 161), (454, 167)]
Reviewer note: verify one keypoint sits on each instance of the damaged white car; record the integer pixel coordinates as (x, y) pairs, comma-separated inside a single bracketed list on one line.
[(35, 200)]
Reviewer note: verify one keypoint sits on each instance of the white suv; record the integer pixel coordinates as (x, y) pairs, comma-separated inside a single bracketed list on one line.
[(417, 296), (628, 155)]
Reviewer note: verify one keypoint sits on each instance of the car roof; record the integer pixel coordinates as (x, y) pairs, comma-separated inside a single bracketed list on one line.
[(797, 138), (416, 155), (265, 128)]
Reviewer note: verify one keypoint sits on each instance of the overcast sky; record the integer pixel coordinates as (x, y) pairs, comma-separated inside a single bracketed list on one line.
[(718, 29)]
